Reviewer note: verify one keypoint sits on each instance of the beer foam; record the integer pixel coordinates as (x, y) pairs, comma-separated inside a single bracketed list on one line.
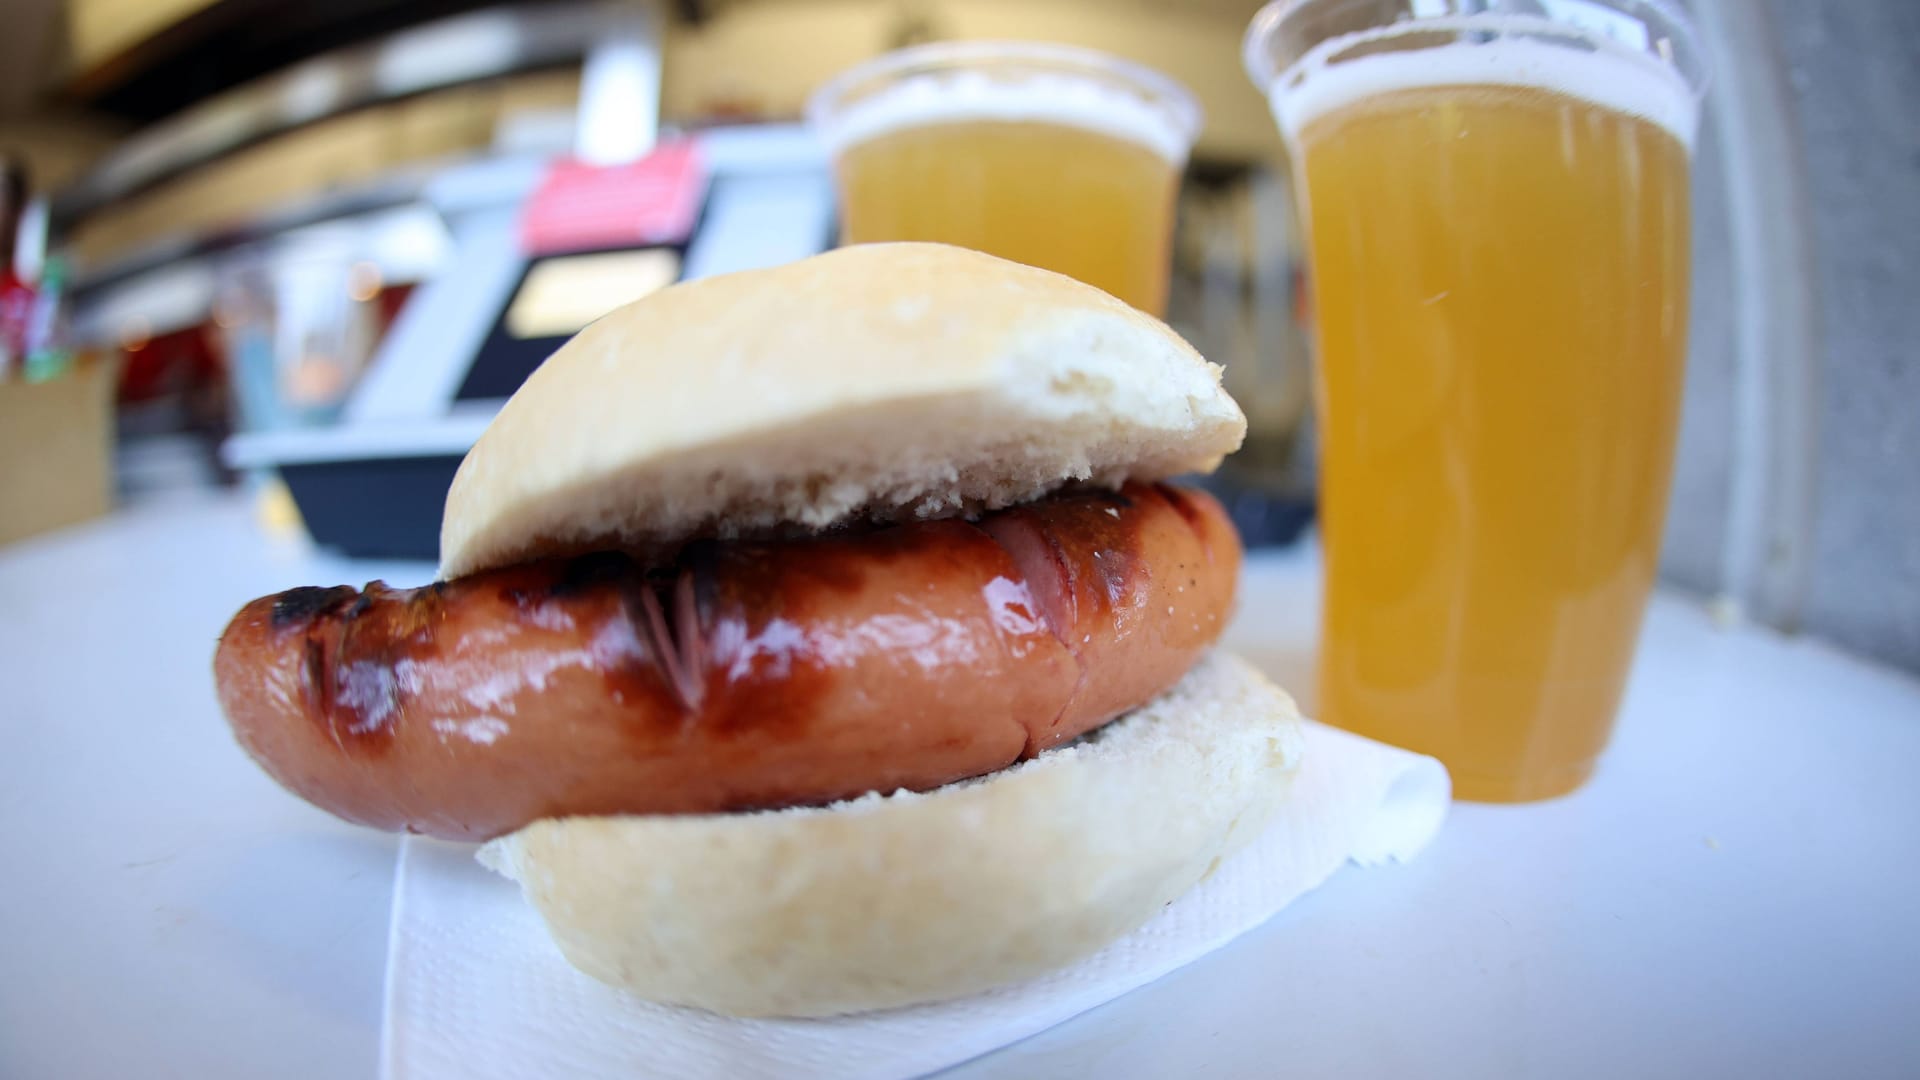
[(1610, 75), (958, 97)]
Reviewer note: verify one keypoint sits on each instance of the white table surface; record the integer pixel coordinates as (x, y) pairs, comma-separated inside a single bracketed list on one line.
[(1737, 892)]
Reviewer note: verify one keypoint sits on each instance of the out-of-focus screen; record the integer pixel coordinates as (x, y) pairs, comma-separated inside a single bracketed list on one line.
[(563, 294)]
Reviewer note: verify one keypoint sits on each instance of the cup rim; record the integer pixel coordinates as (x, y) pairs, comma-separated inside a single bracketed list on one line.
[(1180, 103), (1260, 68)]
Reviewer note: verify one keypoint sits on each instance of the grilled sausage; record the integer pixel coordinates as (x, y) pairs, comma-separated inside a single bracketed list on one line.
[(745, 675)]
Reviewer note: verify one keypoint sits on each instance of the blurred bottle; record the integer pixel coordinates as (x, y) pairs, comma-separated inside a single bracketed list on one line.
[(297, 324), (48, 348), (243, 311), (16, 293)]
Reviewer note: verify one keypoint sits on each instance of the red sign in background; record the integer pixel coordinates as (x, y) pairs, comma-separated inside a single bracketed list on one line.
[(581, 207)]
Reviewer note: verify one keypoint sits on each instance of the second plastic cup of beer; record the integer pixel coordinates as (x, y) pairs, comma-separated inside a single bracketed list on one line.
[(1496, 204), (1057, 157)]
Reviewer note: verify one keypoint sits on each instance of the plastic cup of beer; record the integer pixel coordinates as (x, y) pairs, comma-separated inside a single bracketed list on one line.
[(1062, 158), (1496, 203)]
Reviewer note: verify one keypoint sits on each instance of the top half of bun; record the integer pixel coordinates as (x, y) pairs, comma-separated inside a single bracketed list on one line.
[(884, 380)]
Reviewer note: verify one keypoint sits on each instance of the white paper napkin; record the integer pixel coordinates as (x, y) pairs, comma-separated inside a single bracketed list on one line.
[(475, 989)]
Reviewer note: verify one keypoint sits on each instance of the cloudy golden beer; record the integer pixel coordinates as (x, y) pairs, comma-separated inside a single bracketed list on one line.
[(1062, 168), (1499, 249)]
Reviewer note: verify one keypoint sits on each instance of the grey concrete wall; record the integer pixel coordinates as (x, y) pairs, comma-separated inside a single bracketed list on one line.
[(1855, 72), (1697, 512), (1851, 124)]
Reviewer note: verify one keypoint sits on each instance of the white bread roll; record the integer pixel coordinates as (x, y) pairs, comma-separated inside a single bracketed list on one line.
[(905, 898), (891, 380)]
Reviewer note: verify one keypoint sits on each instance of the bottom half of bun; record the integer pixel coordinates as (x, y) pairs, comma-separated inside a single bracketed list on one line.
[(892, 900)]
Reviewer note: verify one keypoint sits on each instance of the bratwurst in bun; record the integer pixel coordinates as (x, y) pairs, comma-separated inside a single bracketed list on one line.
[(811, 639)]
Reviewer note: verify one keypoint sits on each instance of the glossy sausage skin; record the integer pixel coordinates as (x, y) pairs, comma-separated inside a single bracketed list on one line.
[(746, 675)]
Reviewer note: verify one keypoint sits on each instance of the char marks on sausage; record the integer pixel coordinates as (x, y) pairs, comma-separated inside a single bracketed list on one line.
[(744, 675)]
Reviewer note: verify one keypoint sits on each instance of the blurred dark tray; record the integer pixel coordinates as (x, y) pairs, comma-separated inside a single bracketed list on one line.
[(389, 508), (376, 508), (1265, 520)]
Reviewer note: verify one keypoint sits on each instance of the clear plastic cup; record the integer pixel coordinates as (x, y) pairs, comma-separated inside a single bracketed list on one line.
[(1057, 157), (1496, 202)]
